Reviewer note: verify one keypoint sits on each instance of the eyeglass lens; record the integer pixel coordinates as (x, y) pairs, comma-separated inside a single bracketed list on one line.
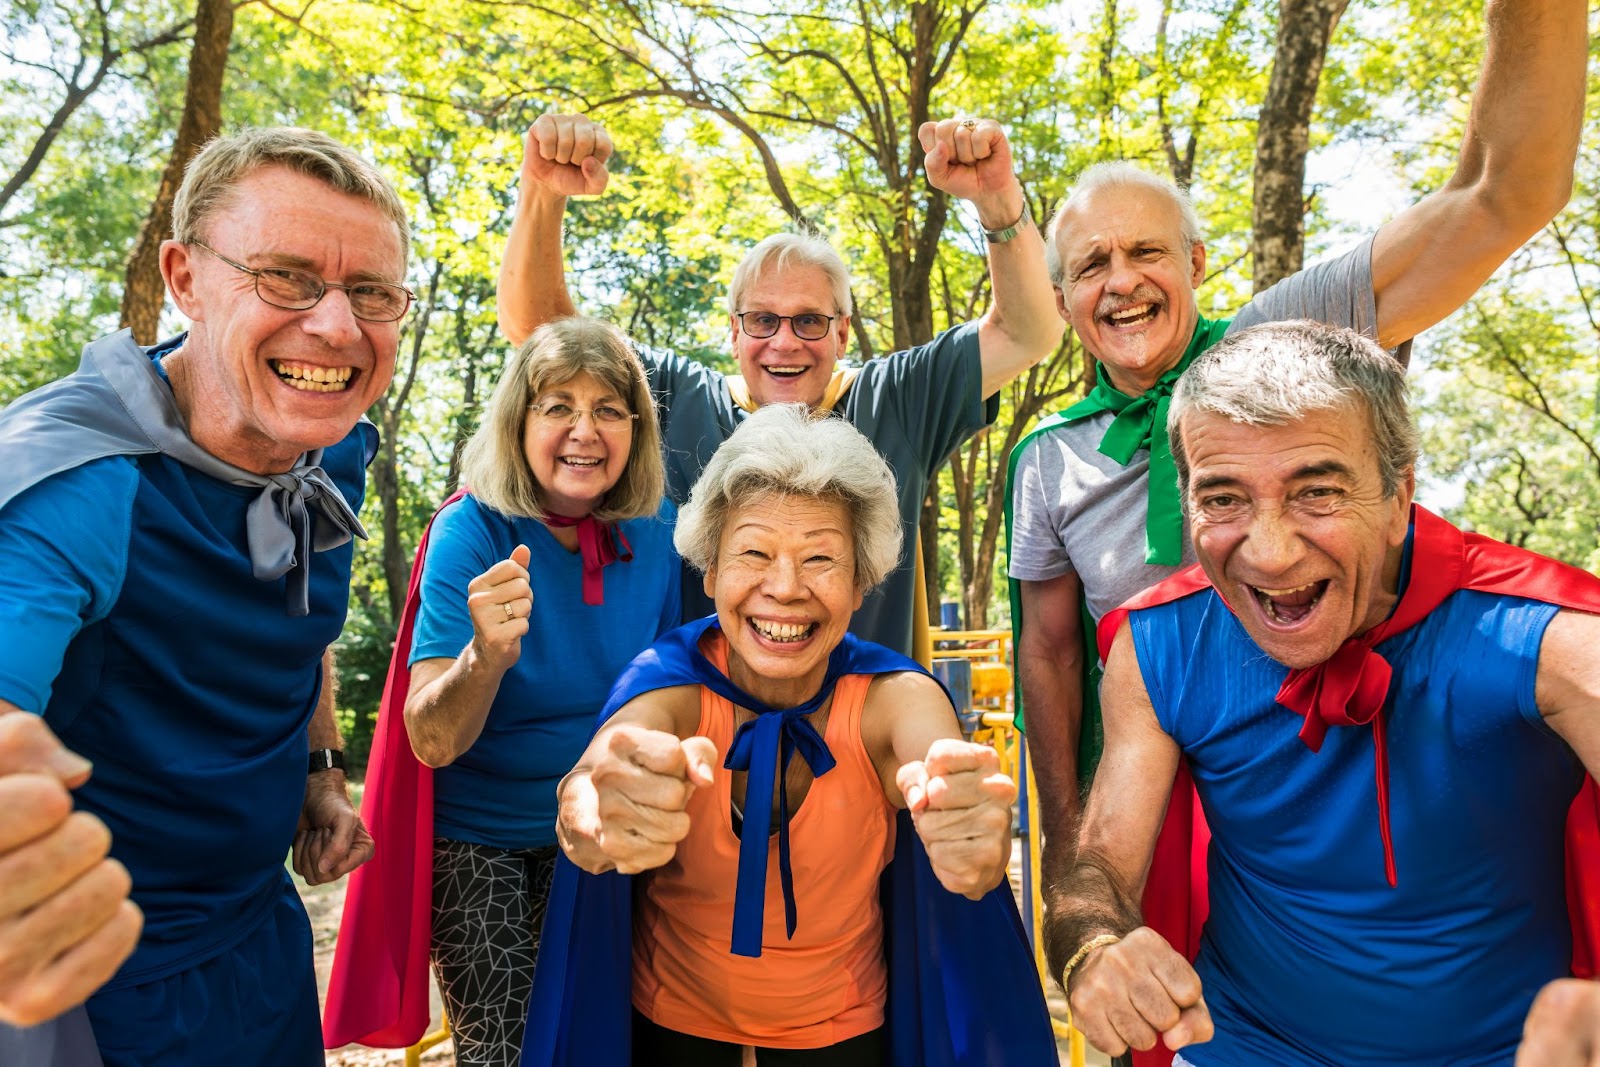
[(808, 327)]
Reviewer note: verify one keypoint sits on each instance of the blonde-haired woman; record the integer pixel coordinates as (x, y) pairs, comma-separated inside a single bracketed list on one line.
[(542, 580)]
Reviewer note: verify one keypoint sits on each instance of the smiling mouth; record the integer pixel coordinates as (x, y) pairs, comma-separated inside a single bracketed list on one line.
[(309, 378), (1289, 607), (785, 372), (1136, 315), (783, 632), (580, 462)]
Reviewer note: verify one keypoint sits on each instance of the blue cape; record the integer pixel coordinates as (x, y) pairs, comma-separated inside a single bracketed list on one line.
[(963, 990)]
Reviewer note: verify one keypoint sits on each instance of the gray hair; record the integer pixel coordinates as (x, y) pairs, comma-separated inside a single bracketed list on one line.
[(788, 450), (1119, 174), (1281, 372), (494, 463), (226, 161), (783, 250)]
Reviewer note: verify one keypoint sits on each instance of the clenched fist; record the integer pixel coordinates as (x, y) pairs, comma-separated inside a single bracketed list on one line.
[(628, 812), (500, 601), (566, 155), (960, 804)]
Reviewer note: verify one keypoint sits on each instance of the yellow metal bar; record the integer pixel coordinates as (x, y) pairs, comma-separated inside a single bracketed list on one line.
[(1076, 1048), (439, 1036)]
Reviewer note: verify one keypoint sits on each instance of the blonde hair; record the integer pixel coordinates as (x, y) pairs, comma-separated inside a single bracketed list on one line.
[(784, 250), (226, 161), (789, 450), (494, 463)]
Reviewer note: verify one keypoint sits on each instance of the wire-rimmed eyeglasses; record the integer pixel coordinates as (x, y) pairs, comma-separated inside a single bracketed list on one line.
[(293, 289)]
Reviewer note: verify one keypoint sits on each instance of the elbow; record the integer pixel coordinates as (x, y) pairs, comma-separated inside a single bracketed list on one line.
[(1521, 205), (511, 328), (429, 752)]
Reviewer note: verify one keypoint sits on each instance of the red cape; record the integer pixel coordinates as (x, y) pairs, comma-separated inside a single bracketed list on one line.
[(1443, 560), (378, 992)]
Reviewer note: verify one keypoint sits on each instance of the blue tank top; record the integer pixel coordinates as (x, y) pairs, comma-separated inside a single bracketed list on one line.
[(1309, 957)]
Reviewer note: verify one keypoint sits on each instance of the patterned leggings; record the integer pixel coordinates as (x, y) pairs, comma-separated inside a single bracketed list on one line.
[(488, 908)]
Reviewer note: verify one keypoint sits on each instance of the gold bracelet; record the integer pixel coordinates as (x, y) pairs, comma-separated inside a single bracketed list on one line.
[(1083, 950)]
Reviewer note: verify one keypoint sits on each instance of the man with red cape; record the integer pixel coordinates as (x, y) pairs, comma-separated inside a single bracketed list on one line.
[(1396, 891)]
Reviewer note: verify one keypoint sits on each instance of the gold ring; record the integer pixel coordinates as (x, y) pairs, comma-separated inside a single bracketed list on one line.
[(967, 124), (509, 613)]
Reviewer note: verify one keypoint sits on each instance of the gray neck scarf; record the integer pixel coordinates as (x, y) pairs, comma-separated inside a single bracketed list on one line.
[(116, 403)]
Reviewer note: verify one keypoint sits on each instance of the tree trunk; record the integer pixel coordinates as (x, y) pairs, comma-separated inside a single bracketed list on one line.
[(1277, 246), (144, 292)]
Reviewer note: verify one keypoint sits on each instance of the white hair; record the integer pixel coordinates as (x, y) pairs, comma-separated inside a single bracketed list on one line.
[(1119, 174), (788, 450), (1279, 373), (783, 250)]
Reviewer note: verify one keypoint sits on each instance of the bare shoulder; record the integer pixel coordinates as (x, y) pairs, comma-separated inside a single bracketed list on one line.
[(1569, 672)]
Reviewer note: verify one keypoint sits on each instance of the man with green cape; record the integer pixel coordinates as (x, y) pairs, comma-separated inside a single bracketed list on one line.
[(1092, 505)]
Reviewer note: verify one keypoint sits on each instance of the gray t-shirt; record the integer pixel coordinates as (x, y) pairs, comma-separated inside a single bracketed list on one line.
[(1074, 509), (916, 406)]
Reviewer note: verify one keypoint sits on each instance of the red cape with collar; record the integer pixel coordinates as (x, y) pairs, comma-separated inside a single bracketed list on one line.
[(378, 991), (1443, 560)]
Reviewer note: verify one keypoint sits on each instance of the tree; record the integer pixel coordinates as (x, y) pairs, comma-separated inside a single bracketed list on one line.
[(144, 292)]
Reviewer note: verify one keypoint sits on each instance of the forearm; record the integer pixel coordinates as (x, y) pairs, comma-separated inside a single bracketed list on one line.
[(324, 729), (1527, 111), (1052, 701), (1023, 311), (533, 284), (1092, 900), (445, 714)]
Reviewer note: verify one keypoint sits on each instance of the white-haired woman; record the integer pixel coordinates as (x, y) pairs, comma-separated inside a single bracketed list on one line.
[(792, 523), (548, 574)]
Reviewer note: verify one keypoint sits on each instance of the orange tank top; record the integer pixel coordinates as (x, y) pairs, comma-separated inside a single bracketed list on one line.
[(826, 985)]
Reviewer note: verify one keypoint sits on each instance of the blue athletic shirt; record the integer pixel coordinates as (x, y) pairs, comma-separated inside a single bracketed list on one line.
[(130, 618), (502, 791), (1309, 957)]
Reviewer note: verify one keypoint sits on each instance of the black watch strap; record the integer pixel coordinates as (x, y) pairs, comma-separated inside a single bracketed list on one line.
[(325, 759)]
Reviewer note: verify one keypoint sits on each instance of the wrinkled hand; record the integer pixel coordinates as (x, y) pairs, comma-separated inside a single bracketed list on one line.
[(1129, 994), (973, 163), (500, 601), (1563, 1027), (66, 923), (641, 789), (960, 804), (566, 155), (331, 841)]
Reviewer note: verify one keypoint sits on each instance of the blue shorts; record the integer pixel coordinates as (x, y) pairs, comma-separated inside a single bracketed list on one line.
[(254, 1005)]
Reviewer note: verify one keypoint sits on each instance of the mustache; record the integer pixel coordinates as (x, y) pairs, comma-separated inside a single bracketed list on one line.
[(1143, 294)]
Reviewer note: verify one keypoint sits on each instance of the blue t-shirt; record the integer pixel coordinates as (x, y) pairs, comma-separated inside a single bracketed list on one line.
[(130, 617), (1309, 957), (502, 791)]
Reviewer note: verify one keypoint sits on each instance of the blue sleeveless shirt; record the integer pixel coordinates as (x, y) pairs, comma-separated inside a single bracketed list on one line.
[(1308, 956)]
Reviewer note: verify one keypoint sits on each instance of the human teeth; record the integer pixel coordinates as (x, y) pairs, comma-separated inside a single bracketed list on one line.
[(578, 461), (1284, 592), (1129, 313), (783, 631), (786, 370), (313, 379)]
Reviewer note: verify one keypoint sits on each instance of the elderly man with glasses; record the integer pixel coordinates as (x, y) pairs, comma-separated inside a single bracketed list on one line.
[(175, 552), (789, 319)]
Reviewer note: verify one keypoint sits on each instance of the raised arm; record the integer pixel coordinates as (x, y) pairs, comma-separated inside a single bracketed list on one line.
[(1050, 667), (449, 699), (972, 160), (1130, 988), (565, 155), (1513, 175)]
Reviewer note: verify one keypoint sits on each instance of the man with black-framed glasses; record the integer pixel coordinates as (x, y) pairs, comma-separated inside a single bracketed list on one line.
[(175, 553), (789, 318)]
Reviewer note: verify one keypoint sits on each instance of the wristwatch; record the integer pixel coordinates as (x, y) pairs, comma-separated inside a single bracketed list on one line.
[(996, 237), (325, 759)]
